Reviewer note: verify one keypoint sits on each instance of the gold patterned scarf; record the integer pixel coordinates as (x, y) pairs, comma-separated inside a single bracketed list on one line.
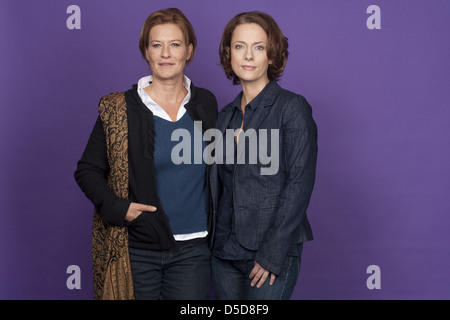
[(110, 257)]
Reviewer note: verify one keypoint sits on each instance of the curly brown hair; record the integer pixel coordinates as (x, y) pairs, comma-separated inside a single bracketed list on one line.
[(277, 48)]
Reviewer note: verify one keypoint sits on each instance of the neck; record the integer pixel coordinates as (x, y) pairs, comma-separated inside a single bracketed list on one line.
[(169, 90), (250, 89)]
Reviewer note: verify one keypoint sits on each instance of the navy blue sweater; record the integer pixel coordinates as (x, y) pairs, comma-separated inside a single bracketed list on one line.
[(181, 187)]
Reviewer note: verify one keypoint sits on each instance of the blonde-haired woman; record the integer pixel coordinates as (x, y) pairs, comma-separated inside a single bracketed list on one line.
[(152, 216)]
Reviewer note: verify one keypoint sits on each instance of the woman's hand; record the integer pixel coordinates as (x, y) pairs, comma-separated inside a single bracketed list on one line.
[(136, 209), (259, 275)]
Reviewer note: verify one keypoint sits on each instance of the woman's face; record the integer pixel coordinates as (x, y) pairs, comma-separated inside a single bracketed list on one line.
[(249, 53), (167, 51)]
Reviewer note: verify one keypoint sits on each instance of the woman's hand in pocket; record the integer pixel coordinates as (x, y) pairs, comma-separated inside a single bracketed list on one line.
[(135, 210)]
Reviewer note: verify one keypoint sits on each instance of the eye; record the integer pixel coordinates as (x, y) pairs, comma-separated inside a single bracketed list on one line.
[(175, 44), (238, 46), (156, 45), (260, 48)]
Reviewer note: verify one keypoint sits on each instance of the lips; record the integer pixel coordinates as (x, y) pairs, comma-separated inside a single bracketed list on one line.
[(247, 67), (165, 64)]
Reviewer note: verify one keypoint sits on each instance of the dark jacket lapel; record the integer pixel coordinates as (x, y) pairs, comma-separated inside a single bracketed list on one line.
[(261, 112)]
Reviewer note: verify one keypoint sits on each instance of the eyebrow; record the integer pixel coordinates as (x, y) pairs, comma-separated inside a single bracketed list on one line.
[(168, 40), (258, 42)]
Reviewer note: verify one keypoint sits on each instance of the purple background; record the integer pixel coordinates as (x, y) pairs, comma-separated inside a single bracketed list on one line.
[(380, 98)]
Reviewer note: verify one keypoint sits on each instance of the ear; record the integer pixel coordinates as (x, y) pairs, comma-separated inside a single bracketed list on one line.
[(189, 52), (147, 55)]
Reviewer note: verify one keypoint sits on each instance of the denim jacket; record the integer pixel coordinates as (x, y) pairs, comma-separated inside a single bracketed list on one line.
[(270, 207)]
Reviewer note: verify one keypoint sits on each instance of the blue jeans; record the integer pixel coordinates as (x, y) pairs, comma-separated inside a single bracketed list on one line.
[(180, 273), (231, 280)]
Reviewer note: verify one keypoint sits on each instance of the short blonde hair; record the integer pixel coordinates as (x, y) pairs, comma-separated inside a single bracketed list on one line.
[(171, 15)]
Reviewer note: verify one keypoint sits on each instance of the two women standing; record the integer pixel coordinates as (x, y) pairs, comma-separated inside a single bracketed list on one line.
[(153, 217)]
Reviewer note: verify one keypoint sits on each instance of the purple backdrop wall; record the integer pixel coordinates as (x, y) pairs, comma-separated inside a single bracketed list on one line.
[(380, 97)]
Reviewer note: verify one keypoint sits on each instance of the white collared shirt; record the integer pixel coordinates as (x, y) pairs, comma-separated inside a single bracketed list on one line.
[(155, 108), (158, 111)]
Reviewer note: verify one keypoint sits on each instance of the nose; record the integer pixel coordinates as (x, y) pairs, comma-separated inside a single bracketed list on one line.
[(165, 52), (249, 54)]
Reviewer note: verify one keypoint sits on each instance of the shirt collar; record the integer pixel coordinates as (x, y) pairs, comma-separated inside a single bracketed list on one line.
[(256, 101), (145, 82), (153, 106)]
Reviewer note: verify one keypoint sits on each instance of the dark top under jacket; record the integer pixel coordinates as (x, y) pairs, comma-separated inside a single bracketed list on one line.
[(151, 230)]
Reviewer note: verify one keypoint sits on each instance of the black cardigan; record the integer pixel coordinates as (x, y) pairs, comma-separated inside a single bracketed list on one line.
[(151, 230)]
